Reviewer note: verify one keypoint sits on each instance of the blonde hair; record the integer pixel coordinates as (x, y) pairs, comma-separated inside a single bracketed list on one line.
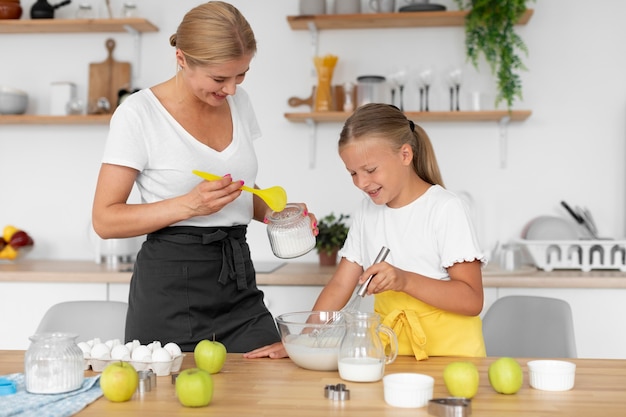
[(214, 33), (388, 122)]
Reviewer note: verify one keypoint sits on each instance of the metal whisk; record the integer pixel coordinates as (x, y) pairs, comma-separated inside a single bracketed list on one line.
[(330, 333)]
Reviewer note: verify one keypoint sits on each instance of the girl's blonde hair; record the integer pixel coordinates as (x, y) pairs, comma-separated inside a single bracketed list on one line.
[(388, 122), (214, 33)]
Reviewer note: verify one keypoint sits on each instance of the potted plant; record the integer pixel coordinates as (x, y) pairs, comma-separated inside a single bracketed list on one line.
[(490, 30), (333, 232)]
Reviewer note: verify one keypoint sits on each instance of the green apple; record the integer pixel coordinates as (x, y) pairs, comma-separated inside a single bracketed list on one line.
[(210, 355), (506, 376), (461, 379), (194, 387), (119, 381)]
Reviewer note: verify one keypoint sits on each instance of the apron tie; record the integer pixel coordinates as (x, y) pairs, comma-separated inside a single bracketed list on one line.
[(233, 266), (407, 322)]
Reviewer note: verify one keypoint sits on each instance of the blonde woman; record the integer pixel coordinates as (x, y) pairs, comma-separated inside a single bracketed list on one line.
[(429, 290), (193, 278)]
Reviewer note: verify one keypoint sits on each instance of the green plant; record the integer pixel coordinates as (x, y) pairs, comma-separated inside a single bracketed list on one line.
[(333, 232), (489, 29)]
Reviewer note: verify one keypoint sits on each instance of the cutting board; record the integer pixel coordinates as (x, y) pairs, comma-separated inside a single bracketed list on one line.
[(106, 79)]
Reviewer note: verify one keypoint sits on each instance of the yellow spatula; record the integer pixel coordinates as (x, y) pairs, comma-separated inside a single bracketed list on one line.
[(275, 197)]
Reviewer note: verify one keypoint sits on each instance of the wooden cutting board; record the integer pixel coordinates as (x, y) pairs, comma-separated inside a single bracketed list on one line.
[(106, 79)]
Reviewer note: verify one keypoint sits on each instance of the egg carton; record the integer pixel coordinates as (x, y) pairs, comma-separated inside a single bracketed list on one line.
[(584, 255), (159, 368)]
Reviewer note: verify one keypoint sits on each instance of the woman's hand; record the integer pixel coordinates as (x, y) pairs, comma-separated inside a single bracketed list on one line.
[(209, 197), (274, 351)]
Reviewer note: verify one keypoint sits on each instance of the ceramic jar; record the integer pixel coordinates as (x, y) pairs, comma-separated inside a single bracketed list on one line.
[(10, 9)]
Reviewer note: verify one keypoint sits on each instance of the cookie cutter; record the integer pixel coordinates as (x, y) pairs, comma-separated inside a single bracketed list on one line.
[(450, 407), (145, 381), (337, 392)]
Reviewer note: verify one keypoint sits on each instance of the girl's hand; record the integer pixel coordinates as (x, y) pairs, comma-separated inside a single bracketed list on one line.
[(209, 197), (274, 351), (386, 277)]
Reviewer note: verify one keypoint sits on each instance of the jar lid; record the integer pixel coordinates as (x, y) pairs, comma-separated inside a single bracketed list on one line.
[(7, 387), (371, 78)]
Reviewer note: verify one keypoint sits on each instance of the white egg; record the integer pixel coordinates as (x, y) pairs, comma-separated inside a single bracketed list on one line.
[(161, 355), (100, 351), (129, 346), (141, 353), (173, 349), (84, 346), (120, 352), (154, 345), (112, 343)]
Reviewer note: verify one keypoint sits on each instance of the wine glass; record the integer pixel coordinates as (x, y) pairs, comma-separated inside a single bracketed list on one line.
[(400, 77), (424, 81), (454, 77)]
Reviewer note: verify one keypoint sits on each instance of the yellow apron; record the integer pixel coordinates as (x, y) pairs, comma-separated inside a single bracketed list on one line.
[(424, 330)]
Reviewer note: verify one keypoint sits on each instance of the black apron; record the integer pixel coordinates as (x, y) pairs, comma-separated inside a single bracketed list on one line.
[(195, 283)]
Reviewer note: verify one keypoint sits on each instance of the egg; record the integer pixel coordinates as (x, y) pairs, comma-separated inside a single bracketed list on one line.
[(173, 349), (120, 352), (141, 353), (161, 355), (100, 351), (154, 345), (112, 343), (84, 346)]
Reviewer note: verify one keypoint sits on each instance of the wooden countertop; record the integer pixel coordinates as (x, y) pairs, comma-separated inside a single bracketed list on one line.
[(271, 387), (294, 273)]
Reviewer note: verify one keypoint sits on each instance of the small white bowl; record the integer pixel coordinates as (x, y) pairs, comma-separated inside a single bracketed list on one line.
[(551, 375), (12, 100), (408, 390)]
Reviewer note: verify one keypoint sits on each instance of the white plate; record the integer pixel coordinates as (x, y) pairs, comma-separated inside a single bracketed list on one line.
[(550, 228)]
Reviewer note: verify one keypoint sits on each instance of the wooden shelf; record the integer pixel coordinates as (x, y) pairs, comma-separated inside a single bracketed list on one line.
[(430, 116), (385, 20), (76, 25), (32, 119)]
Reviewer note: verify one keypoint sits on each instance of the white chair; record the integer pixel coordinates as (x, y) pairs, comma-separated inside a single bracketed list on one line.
[(529, 327), (105, 320)]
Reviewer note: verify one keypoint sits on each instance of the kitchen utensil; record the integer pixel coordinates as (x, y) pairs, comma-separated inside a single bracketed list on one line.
[(10, 9), (44, 10), (551, 375), (298, 332), (450, 407), (408, 390), (353, 305), (290, 232), (12, 100), (106, 79), (274, 197), (362, 354), (580, 219)]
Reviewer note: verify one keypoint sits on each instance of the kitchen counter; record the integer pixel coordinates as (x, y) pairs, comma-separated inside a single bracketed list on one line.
[(271, 387), (294, 273)]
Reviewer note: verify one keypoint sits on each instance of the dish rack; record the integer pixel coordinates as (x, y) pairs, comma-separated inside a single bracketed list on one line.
[(577, 254)]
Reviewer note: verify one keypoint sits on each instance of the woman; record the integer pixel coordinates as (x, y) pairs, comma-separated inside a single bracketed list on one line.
[(193, 278)]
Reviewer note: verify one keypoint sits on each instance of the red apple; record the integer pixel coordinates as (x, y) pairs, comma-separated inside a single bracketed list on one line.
[(119, 381), (210, 356), (194, 387), (20, 239)]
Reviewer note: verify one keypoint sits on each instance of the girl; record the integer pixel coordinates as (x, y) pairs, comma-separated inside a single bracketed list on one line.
[(429, 290)]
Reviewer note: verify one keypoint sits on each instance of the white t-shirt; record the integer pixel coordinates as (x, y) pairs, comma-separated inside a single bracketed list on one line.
[(143, 135), (426, 236)]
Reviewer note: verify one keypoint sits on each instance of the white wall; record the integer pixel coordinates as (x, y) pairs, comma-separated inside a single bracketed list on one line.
[(571, 148)]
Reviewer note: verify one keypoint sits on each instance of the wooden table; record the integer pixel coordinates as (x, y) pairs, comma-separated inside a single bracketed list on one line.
[(269, 387)]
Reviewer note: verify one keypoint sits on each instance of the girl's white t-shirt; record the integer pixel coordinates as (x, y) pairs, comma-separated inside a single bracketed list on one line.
[(144, 136), (426, 236)]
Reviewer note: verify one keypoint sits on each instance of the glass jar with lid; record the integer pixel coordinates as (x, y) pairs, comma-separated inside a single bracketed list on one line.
[(129, 9), (53, 364), (290, 232)]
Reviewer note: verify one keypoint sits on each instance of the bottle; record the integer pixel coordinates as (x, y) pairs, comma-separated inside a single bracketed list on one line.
[(53, 364), (290, 233)]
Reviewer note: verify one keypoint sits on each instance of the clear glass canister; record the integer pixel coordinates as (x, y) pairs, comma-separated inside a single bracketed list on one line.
[(53, 364), (371, 89), (290, 232)]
